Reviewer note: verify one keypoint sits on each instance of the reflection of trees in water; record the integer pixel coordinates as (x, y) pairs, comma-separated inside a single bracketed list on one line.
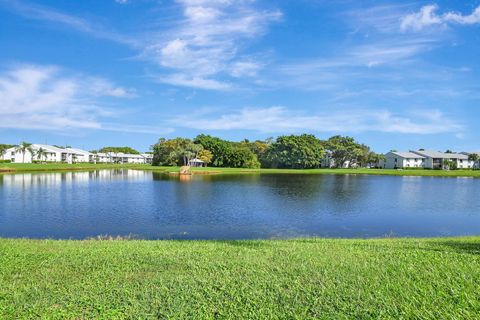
[(302, 186), (346, 187), (236, 178), (315, 187), (294, 185)]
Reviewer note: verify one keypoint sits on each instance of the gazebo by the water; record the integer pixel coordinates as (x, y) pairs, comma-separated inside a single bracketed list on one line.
[(196, 163)]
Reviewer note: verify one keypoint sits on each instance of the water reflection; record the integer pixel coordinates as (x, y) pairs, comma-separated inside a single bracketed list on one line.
[(155, 205), (56, 178)]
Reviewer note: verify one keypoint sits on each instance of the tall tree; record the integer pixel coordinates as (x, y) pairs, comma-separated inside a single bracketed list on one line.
[(206, 156), (345, 149), (296, 151), (40, 153), (176, 151), (475, 157), (243, 157), (3, 150), (119, 150), (23, 148), (222, 150)]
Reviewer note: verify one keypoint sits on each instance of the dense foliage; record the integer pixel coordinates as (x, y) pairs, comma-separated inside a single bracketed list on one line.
[(6, 146), (296, 152), (220, 149), (206, 156), (178, 151), (293, 151), (119, 150), (345, 151)]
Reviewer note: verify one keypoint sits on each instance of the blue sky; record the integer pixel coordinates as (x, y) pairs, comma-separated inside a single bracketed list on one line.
[(395, 75)]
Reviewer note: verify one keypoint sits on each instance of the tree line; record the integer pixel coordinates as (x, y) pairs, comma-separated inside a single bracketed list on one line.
[(303, 151), (125, 149)]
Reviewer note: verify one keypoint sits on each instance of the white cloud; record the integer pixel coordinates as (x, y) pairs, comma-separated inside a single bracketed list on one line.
[(102, 87), (205, 43), (121, 1), (472, 18), (427, 17), (38, 12), (200, 48), (242, 69), (280, 119), (34, 97), (193, 82), (48, 98)]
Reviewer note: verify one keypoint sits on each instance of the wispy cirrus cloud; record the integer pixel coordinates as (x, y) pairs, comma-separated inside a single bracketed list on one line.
[(427, 17), (43, 13), (280, 119), (200, 48), (34, 97), (204, 46)]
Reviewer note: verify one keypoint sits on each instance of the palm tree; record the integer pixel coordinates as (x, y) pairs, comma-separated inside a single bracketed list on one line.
[(23, 148), (2, 151), (474, 157), (41, 153)]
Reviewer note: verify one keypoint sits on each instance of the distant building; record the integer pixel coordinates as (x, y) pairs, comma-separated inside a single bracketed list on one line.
[(71, 155), (476, 164), (148, 157), (329, 162), (50, 154), (80, 155), (196, 163), (122, 158), (400, 160), (436, 159)]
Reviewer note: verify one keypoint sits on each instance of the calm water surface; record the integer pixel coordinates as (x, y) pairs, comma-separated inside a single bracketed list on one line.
[(156, 206)]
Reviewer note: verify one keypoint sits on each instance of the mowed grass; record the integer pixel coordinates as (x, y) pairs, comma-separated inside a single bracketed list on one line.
[(391, 172), (29, 167), (264, 279)]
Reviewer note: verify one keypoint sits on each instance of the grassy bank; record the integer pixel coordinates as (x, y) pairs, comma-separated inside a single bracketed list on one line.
[(33, 167), (20, 167), (390, 172), (304, 278)]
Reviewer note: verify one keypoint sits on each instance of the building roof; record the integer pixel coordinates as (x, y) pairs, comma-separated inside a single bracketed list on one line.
[(407, 155), (49, 148), (147, 155), (78, 151), (441, 155)]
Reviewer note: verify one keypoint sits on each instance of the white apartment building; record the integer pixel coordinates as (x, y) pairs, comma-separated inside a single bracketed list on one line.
[(49, 154), (400, 160), (119, 157), (80, 155), (148, 157), (436, 159), (70, 155)]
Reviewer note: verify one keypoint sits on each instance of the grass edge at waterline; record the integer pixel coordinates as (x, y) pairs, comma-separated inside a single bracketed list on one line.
[(61, 167)]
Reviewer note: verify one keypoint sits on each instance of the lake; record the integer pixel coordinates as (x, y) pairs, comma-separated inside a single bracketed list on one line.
[(150, 205)]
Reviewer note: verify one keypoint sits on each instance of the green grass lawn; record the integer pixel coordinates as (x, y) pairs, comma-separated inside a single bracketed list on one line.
[(264, 279), (434, 173), (29, 167)]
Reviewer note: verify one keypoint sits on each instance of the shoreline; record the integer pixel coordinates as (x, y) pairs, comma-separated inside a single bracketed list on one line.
[(132, 238), (7, 168)]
